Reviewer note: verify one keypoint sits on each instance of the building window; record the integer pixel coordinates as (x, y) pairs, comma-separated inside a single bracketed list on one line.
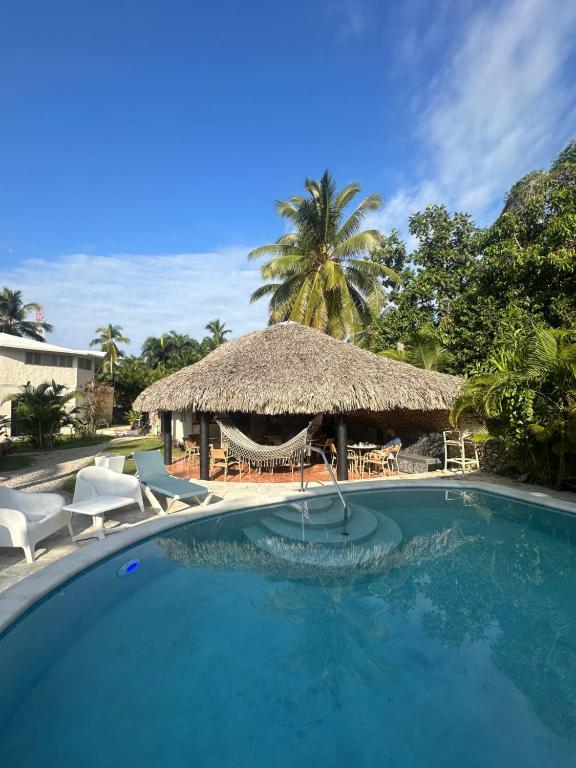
[(85, 363), (46, 358), (33, 358)]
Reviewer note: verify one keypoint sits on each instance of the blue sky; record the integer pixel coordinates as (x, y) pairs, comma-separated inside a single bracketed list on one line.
[(142, 144)]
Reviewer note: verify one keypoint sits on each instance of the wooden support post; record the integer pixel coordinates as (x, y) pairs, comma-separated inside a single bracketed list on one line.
[(166, 426), (204, 419), (342, 447)]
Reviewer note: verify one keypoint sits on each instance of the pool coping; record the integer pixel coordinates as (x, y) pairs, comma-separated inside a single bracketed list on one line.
[(19, 598)]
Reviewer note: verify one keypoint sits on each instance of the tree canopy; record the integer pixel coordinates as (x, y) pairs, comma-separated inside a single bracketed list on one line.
[(468, 288), (14, 316), (319, 274)]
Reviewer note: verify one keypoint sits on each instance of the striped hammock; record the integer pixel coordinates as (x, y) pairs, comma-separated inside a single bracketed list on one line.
[(241, 447)]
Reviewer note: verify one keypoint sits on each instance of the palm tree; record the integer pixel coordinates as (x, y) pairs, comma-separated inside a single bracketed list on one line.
[(109, 338), (422, 350), (156, 351), (43, 410), (320, 272), (13, 315), (527, 395), (173, 350), (218, 333)]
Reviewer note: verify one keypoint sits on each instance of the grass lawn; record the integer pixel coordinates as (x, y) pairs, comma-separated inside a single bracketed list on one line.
[(126, 448), (13, 462), (63, 442)]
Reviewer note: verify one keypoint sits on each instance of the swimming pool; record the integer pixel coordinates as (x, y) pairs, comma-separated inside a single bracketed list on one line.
[(440, 632)]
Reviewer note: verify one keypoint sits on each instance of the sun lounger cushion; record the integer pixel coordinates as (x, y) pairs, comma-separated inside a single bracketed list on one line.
[(152, 473)]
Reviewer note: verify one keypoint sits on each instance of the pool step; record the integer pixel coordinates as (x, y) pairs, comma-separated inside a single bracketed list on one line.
[(362, 524), (370, 535), (314, 515)]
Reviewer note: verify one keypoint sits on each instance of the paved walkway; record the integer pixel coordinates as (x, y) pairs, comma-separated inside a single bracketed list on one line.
[(50, 468)]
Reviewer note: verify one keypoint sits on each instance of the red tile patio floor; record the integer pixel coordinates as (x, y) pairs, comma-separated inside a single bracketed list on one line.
[(317, 472)]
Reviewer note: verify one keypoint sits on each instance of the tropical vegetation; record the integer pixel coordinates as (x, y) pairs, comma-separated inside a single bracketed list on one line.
[(496, 305), (42, 411), (320, 273), (108, 339), (467, 287), (14, 316), (526, 393), (218, 333), (161, 356), (4, 424)]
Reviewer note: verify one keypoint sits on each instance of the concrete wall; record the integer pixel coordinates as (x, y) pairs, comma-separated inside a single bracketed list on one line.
[(182, 426), (185, 424), (15, 372)]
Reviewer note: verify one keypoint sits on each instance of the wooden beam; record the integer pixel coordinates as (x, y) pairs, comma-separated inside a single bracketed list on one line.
[(342, 447), (167, 434), (204, 419)]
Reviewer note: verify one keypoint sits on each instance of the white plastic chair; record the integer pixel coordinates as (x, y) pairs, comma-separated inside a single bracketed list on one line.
[(100, 481), (26, 518)]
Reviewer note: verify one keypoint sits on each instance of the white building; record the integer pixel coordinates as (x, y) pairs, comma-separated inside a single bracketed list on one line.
[(24, 360)]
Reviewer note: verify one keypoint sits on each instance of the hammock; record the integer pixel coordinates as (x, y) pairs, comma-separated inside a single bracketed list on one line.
[(243, 448)]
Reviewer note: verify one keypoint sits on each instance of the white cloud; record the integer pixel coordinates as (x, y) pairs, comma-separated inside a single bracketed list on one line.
[(501, 105), (146, 295), (353, 17)]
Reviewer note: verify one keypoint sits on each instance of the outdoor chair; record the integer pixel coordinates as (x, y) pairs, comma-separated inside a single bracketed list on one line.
[(392, 457), (191, 450), (156, 480), (375, 461), (101, 481), (27, 518), (331, 453), (354, 461), (220, 459), (328, 445), (457, 443)]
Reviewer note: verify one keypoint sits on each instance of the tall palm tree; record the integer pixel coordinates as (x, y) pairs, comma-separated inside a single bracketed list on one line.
[(108, 339), (320, 272), (156, 351), (13, 313), (218, 333)]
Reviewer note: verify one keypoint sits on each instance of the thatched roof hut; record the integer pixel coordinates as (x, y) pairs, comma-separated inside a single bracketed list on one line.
[(292, 369)]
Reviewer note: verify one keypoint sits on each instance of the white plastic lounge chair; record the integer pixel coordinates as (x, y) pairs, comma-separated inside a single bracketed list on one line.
[(27, 518), (101, 481), (156, 480)]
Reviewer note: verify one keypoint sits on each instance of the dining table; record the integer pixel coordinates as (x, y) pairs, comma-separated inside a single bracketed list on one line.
[(363, 446)]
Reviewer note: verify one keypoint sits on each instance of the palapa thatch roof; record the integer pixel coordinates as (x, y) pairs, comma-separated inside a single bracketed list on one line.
[(292, 369)]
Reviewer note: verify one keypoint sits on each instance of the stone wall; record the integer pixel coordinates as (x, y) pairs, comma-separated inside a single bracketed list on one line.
[(408, 425)]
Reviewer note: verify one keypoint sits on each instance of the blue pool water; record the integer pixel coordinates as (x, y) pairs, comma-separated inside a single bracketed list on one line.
[(442, 633)]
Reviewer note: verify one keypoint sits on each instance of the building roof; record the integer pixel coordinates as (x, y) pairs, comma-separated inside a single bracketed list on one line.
[(289, 368), (19, 342)]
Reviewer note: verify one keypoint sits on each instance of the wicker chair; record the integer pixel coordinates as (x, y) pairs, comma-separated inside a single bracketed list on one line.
[(331, 453), (219, 459), (392, 457), (354, 461), (191, 449), (375, 461)]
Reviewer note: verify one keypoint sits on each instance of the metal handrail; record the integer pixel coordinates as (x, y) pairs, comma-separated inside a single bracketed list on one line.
[(332, 478)]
